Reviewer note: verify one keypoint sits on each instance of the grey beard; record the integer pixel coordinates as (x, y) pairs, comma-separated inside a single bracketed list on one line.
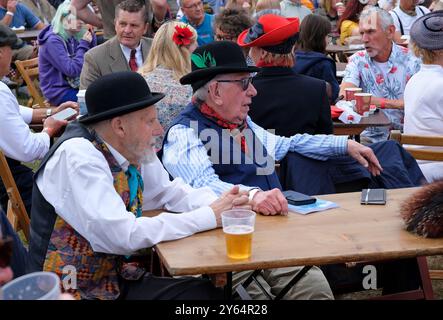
[(148, 157)]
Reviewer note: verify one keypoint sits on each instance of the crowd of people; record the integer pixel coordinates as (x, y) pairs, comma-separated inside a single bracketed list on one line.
[(189, 105)]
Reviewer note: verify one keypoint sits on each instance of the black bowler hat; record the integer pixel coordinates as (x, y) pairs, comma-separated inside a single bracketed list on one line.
[(219, 57), (9, 38), (117, 94)]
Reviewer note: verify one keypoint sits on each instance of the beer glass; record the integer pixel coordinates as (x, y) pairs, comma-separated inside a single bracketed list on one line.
[(238, 226)]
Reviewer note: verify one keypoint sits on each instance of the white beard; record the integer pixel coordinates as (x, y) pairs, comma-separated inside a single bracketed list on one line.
[(148, 157)]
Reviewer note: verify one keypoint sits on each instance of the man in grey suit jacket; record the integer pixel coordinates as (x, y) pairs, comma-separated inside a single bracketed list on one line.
[(124, 52)]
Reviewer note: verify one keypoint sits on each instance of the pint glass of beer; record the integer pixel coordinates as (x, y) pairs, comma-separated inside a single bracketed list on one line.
[(238, 226)]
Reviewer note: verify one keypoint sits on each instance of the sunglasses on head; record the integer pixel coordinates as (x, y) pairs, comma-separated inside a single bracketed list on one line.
[(244, 82)]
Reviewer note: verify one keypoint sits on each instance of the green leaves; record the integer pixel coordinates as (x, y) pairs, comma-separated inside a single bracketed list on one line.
[(205, 61)]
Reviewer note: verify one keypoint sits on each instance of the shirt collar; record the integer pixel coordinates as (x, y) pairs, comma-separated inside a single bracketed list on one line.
[(391, 59), (128, 50), (122, 161)]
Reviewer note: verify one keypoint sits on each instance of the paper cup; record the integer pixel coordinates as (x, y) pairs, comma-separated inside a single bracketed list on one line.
[(350, 92), (82, 102), (362, 103)]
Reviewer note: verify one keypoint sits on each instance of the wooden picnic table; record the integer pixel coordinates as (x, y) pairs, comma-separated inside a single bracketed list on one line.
[(339, 52), (28, 34), (377, 119), (350, 233)]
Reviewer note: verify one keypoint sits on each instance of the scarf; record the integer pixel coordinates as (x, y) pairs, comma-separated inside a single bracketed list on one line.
[(234, 129)]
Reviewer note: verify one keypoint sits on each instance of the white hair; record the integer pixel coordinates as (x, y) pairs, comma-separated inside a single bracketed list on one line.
[(384, 16), (202, 92)]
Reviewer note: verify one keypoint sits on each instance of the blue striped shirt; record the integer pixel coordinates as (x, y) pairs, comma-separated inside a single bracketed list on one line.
[(185, 156)]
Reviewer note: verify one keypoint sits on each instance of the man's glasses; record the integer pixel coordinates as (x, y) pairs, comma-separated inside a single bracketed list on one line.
[(194, 6), (226, 37), (244, 82)]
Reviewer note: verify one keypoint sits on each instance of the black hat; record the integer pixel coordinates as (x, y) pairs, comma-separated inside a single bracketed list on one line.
[(117, 94), (215, 58), (427, 31), (9, 38)]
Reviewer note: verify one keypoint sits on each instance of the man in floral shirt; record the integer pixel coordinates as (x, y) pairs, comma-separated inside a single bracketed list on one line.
[(383, 69)]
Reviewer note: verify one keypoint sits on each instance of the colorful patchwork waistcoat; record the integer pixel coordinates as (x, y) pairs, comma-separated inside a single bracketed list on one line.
[(97, 273)]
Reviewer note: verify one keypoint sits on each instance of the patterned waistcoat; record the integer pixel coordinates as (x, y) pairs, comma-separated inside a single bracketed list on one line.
[(96, 273)]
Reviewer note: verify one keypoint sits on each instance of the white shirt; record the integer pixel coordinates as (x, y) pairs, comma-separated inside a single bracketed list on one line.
[(78, 183), (406, 19), (290, 9), (184, 154), (424, 111), (16, 140), (138, 54)]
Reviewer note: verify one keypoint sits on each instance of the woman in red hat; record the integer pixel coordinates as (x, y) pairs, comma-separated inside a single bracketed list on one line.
[(287, 102)]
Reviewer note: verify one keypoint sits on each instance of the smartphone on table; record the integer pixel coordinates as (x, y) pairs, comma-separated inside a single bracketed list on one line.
[(297, 198)]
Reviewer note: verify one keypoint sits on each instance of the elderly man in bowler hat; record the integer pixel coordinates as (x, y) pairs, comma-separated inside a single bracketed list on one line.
[(217, 145), (90, 191)]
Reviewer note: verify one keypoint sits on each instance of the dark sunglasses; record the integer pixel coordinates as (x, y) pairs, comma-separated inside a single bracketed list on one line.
[(244, 82)]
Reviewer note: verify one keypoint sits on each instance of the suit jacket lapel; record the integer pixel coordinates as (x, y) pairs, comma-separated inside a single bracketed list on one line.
[(118, 60)]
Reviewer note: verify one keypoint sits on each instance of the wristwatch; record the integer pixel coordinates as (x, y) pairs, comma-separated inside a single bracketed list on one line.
[(252, 193), (9, 13), (48, 112)]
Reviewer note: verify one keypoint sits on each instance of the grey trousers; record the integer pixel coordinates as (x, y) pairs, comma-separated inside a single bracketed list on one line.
[(312, 286)]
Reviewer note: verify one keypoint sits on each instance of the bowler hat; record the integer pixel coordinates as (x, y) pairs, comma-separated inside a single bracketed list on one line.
[(9, 38), (427, 31), (117, 94), (219, 57), (271, 32)]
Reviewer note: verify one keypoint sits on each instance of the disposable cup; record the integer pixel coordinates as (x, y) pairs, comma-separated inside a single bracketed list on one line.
[(362, 103), (238, 227), (34, 286)]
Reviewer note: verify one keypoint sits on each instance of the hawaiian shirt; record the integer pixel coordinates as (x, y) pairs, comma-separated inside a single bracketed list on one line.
[(364, 73)]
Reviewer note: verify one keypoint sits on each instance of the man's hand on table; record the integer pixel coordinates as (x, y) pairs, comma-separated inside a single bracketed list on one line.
[(228, 200), (270, 202)]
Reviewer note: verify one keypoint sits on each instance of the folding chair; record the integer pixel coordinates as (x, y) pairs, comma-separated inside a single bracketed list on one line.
[(422, 154), (16, 211), (28, 69)]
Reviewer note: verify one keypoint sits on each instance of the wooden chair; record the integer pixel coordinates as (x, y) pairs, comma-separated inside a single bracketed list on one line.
[(28, 69), (426, 141), (422, 154), (16, 211)]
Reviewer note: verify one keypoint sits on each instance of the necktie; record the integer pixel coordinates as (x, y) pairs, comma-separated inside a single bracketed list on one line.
[(133, 61), (135, 182)]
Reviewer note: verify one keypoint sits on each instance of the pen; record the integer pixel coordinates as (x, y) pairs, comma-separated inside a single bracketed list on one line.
[(339, 98)]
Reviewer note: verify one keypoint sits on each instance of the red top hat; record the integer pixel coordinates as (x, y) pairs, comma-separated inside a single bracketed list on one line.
[(269, 30)]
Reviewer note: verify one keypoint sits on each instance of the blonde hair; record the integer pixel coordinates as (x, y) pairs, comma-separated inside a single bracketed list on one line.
[(267, 4), (165, 52), (426, 56), (278, 60), (234, 4)]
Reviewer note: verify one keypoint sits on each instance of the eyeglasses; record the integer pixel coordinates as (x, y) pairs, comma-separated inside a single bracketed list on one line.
[(224, 37), (194, 6), (244, 82)]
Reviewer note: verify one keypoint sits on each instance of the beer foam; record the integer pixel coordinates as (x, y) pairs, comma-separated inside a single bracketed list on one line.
[(238, 229)]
